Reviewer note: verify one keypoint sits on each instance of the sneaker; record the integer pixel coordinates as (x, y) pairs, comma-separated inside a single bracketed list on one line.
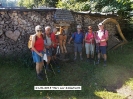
[(39, 77), (104, 64), (87, 59), (42, 74), (75, 58), (81, 58), (97, 62), (48, 69)]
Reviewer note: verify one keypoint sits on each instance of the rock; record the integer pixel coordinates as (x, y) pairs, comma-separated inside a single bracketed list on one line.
[(13, 35)]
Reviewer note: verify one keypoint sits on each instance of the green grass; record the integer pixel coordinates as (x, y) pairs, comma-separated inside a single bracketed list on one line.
[(17, 78)]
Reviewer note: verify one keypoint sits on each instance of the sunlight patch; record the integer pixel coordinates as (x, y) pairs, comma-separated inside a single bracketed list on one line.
[(130, 83), (108, 95)]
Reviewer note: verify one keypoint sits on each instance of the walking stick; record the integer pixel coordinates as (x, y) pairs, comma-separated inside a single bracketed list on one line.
[(46, 74), (52, 68)]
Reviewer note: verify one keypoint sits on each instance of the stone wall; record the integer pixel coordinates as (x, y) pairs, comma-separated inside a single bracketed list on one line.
[(17, 25)]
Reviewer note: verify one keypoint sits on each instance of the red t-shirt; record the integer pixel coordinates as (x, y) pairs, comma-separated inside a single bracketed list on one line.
[(39, 44), (54, 40), (90, 36)]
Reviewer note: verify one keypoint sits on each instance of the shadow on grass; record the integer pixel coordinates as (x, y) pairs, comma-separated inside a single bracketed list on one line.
[(18, 78)]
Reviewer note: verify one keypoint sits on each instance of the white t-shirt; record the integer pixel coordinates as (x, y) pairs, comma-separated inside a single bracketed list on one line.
[(47, 41)]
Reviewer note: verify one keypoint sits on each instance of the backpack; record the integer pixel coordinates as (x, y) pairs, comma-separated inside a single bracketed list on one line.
[(107, 40), (30, 40), (76, 33), (88, 33)]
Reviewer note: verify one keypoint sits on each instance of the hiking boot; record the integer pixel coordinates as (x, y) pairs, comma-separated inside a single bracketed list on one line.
[(39, 77), (81, 58), (42, 73), (104, 64), (97, 62), (88, 60), (47, 68), (75, 58)]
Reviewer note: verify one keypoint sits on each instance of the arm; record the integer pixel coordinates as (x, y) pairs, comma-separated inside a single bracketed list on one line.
[(106, 37), (85, 39), (69, 40)]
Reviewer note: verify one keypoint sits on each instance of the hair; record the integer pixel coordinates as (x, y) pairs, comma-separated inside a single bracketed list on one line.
[(79, 26), (47, 27), (38, 27), (90, 27)]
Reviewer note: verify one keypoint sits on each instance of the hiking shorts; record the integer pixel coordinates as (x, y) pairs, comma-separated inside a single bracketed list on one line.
[(36, 57), (102, 49), (78, 47), (89, 48), (49, 52)]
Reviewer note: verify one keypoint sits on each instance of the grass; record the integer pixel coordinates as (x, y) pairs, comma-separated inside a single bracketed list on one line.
[(18, 78)]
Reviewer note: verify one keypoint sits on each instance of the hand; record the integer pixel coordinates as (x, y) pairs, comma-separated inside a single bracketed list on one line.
[(40, 54), (44, 50), (97, 41), (90, 40)]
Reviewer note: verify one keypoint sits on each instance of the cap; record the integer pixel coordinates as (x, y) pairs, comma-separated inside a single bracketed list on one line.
[(100, 24), (38, 27), (78, 26)]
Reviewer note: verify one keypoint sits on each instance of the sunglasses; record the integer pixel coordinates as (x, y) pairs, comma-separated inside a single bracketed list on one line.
[(39, 30), (89, 29)]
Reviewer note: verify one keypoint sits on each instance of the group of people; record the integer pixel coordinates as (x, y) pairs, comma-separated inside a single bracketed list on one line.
[(47, 43), (43, 43), (92, 40)]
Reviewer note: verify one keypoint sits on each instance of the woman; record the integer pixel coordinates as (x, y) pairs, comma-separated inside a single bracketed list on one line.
[(89, 44), (37, 50), (48, 45)]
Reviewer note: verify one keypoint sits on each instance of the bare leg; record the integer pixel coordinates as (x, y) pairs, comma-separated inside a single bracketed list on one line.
[(61, 47), (37, 68), (64, 46), (47, 65)]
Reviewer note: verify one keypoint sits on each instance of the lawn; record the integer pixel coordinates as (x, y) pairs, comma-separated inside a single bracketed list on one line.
[(18, 78)]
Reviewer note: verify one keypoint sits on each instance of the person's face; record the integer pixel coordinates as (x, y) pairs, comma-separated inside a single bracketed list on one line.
[(48, 31), (78, 29), (39, 31), (100, 27), (90, 29)]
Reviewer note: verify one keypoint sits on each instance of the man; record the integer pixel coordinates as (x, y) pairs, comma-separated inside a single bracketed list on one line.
[(101, 38), (48, 45), (78, 38), (54, 43)]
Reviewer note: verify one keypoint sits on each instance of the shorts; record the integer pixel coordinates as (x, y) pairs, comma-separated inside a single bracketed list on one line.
[(102, 49), (54, 50), (36, 57), (49, 52), (89, 48), (78, 47)]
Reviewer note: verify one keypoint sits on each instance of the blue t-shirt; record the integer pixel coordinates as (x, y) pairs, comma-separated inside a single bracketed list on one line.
[(78, 38)]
